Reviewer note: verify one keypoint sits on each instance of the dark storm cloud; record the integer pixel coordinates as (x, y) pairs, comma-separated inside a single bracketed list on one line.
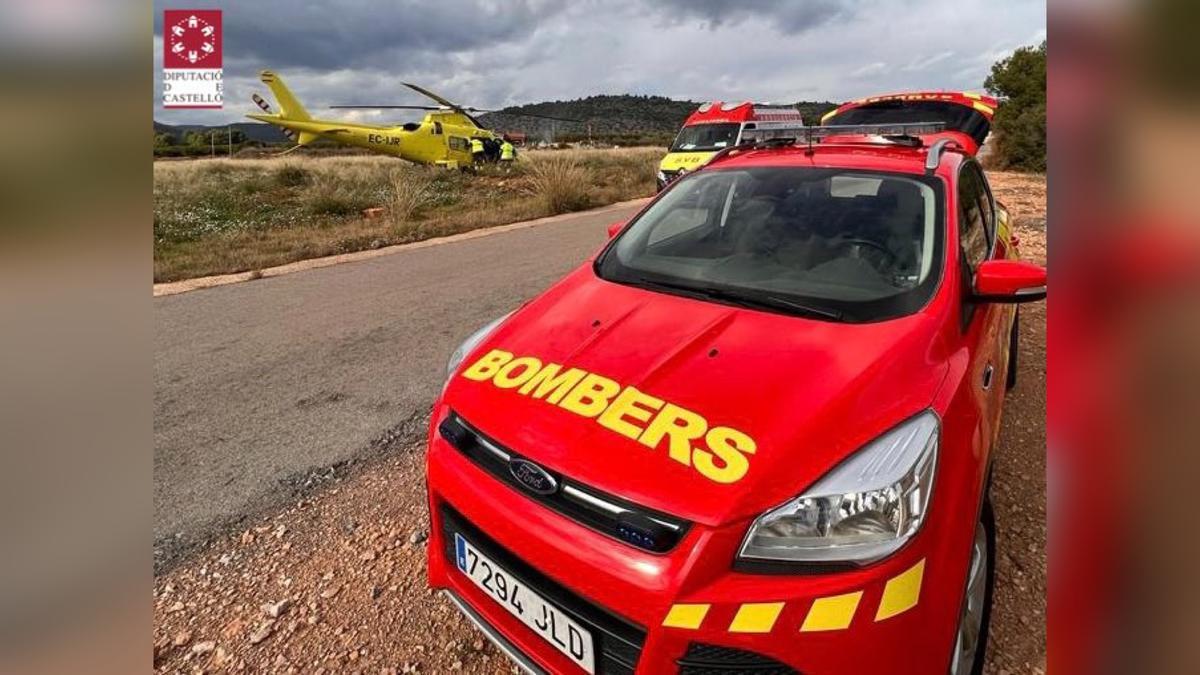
[(788, 16), (492, 53), (356, 33)]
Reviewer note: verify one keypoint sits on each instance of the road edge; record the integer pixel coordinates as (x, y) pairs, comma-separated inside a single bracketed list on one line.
[(199, 283)]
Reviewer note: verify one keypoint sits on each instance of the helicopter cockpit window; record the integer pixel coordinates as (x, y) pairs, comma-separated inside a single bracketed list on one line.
[(411, 126), (437, 128)]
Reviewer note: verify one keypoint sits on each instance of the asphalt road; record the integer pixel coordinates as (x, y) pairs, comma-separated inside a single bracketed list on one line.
[(259, 385)]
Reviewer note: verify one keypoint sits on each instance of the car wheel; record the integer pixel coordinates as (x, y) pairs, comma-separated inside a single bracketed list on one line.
[(971, 642), (1013, 343)]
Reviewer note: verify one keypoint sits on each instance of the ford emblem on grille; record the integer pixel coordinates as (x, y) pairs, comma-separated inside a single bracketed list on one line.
[(532, 477)]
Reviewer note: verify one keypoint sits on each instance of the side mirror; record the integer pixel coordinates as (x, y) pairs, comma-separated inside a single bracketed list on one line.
[(1009, 281), (615, 228)]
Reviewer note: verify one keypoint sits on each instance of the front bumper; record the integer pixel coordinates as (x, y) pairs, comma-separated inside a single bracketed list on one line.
[(660, 613)]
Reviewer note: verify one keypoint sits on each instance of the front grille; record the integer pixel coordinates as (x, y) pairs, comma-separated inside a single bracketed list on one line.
[(705, 659), (616, 640), (620, 519)]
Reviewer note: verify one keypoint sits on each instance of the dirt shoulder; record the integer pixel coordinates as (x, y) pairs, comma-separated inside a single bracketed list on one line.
[(336, 581)]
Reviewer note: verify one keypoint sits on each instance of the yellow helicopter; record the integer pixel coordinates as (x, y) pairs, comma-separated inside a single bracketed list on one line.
[(442, 138)]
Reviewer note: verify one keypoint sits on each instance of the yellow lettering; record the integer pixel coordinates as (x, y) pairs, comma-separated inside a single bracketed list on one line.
[(548, 384), (527, 366), (483, 369), (723, 457), (629, 403), (681, 425), (591, 396), (728, 445)]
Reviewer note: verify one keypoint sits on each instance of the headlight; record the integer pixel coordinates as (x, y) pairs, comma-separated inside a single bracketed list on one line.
[(863, 510), (469, 345)]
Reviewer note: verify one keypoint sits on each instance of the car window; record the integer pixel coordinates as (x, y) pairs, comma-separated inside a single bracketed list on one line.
[(972, 228), (985, 205), (856, 239)]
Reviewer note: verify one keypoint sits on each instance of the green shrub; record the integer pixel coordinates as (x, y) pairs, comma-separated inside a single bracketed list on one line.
[(1020, 122)]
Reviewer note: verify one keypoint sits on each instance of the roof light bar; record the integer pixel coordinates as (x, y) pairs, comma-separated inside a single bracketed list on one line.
[(809, 134)]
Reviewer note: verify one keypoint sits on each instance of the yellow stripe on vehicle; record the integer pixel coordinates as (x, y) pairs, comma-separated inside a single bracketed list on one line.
[(756, 617), (827, 115), (832, 613), (686, 616), (901, 592), (971, 94), (983, 107)]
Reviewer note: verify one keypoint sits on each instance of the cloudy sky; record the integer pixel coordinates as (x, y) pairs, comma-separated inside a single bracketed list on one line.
[(493, 53)]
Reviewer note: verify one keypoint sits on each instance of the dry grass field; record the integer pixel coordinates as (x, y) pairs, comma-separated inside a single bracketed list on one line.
[(221, 216)]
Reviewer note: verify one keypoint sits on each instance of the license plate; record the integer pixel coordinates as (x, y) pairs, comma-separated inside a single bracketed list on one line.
[(543, 618)]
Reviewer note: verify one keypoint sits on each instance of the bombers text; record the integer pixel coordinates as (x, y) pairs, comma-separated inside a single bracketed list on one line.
[(718, 453)]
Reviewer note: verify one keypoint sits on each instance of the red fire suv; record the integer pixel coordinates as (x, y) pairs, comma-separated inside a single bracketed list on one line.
[(754, 433)]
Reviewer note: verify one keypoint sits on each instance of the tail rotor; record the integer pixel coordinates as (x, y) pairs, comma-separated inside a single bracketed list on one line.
[(266, 107)]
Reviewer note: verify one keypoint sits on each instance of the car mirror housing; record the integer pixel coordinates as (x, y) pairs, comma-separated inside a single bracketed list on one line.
[(615, 228), (1009, 281)]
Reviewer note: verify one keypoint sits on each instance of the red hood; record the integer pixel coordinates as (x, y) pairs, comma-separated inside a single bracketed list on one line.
[(808, 392)]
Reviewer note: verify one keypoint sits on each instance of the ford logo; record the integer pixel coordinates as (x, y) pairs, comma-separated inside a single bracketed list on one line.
[(532, 477)]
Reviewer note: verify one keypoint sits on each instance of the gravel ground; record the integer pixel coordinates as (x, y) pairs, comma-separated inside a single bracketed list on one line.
[(336, 581)]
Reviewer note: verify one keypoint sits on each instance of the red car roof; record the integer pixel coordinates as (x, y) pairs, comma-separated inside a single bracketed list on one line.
[(850, 155)]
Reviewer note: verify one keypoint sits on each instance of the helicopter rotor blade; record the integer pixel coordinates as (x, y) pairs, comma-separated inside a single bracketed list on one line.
[(425, 92), (387, 107), (446, 102), (521, 114), (543, 117), (466, 110)]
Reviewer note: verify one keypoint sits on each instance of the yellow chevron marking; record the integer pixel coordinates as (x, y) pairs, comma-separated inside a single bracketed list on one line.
[(686, 616), (756, 617), (901, 592), (832, 613)]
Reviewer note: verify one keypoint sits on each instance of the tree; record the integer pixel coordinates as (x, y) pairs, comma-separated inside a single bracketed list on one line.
[(197, 139), (1020, 122)]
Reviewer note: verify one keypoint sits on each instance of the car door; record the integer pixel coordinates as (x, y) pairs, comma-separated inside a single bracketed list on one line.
[(983, 325)]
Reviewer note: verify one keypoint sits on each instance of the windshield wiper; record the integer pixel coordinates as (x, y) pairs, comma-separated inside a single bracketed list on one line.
[(745, 299), (768, 301)]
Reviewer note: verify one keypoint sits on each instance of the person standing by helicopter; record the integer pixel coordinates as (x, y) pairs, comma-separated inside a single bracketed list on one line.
[(508, 153), (477, 153)]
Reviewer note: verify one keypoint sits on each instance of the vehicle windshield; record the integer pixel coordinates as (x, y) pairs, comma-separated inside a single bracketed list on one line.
[(705, 137), (829, 243)]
